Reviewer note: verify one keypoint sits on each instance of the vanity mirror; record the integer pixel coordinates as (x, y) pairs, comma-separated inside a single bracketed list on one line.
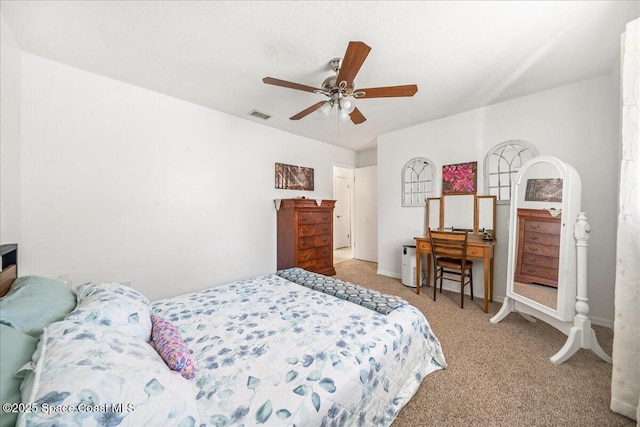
[(486, 216), (433, 213), (543, 267), (458, 211), (462, 211)]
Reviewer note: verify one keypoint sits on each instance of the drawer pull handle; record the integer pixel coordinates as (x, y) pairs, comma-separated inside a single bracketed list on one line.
[(534, 237), (533, 249), (531, 270), (535, 227), (533, 259)]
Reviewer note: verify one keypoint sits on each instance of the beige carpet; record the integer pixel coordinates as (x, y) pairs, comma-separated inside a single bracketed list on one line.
[(498, 375)]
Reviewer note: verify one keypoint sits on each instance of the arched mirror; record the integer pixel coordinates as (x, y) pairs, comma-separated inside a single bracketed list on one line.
[(547, 259), (542, 249)]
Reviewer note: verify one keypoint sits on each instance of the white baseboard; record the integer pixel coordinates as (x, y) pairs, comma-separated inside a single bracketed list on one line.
[(389, 274), (607, 323), (599, 321)]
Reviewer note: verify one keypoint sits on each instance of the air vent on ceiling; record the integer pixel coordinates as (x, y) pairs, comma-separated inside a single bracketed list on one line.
[(259, 115)]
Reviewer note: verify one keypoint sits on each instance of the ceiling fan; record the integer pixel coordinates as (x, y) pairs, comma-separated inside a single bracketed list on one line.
[(340, 88)]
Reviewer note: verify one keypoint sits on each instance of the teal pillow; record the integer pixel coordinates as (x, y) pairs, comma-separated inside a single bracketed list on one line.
[(33, 302), (16, 349)]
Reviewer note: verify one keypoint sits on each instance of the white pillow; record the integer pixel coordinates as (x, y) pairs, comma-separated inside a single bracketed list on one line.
[(114, 305), (102, 377)]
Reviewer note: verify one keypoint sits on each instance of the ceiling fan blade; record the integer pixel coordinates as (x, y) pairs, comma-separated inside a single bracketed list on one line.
[(290, 85), (308, 111), (388, 91), (353, 59), (357, 117)]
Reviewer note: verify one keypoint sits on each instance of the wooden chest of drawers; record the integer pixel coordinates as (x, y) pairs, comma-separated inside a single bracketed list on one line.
[(538, 247), (305, 235)]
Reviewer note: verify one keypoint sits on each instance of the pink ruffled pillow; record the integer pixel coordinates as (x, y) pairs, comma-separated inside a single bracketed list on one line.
[(171, 347)]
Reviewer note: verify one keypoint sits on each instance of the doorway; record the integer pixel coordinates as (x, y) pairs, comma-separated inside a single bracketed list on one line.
[(342, 221)]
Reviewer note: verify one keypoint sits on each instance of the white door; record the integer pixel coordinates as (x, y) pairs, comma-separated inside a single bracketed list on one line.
[(342, 213), (366, 214)]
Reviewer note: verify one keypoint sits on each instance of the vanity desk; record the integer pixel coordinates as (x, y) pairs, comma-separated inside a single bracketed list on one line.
[(468, 212), (476, 249)]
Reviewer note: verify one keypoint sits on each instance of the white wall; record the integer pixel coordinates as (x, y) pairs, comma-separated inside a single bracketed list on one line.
[(573, 123), (122, 183), (367, 158), (10, 87)]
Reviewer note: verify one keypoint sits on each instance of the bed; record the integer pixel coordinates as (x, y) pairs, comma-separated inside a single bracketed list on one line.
[(292, 348)]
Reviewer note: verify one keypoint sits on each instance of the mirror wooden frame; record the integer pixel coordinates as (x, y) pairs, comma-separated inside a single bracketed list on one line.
[(436, 213)]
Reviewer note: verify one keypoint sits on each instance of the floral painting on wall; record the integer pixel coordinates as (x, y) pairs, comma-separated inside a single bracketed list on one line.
[(460, 178)]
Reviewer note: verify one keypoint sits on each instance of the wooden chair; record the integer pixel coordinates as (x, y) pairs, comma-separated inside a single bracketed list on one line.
[(449, 254)]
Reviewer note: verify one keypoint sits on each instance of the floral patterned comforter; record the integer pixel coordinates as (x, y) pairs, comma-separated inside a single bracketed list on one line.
[(271, 352)]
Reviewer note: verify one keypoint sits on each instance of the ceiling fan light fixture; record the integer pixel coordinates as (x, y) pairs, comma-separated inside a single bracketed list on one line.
[(347, 105), (325, 110)]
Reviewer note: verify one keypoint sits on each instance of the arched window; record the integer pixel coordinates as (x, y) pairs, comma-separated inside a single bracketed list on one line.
[(501, 164), (417, 181)]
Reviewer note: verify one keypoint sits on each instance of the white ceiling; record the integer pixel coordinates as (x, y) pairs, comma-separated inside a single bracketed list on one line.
[(462, 55)]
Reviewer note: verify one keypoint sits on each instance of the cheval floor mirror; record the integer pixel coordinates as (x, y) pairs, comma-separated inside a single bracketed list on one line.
[(547, 255)]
